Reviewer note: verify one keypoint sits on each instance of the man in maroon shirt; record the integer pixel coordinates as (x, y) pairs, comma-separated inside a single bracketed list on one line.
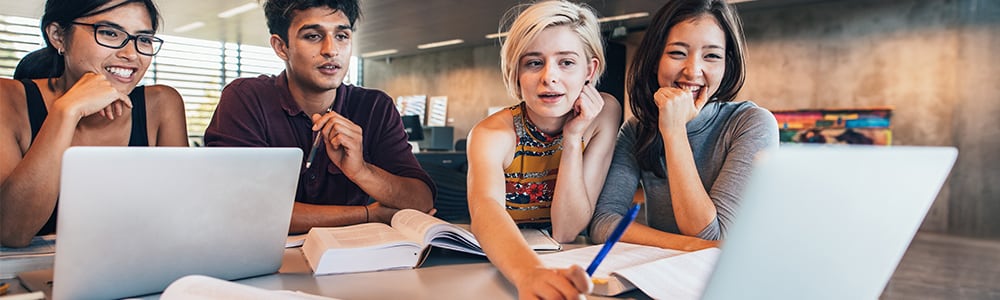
[(363, 150)]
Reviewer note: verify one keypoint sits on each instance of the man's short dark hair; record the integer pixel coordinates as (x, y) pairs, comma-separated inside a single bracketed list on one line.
[(279, 13)]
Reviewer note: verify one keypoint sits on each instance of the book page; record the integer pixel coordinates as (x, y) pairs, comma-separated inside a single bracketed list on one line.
[(358, 248), (198, 287), (539, 240), (622, 255), (295, 240), (366, 235), (40, 254), (415, 224), (43, 244), (434, 231), (676, 277)]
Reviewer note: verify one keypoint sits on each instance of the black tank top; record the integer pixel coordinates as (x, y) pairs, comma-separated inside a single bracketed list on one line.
[(37, 113)]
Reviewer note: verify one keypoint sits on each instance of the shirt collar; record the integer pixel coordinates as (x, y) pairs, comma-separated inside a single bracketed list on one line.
[(292, 108), (286, 100)]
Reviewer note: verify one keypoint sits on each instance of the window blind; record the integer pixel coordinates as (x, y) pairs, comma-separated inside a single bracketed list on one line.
[(198, 69)]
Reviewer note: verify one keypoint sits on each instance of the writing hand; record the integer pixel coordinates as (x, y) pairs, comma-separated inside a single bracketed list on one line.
[(543, 283)]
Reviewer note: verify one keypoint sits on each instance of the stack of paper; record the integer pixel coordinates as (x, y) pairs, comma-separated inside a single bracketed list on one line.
[(39, 255)]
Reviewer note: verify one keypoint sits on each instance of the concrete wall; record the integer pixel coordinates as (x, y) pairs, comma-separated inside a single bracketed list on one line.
[(932, 60), (975, 184)]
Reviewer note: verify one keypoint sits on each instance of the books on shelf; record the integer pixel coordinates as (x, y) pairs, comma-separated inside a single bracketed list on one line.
[(40, 254), (403, 245), (660, 273)]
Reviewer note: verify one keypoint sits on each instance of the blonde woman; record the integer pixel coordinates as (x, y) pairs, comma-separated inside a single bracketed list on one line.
[(542, 162)]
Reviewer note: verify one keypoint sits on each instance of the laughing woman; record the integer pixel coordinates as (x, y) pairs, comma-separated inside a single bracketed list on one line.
[(80, 90), (689, 145)]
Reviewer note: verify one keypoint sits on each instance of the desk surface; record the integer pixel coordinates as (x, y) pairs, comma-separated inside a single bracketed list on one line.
[(461, 275), (445, 275)]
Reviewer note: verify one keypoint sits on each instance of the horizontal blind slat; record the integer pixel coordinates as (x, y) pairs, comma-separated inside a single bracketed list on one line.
[(197, 69)]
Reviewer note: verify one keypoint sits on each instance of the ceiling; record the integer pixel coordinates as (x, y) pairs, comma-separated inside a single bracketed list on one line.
[(385, 24)]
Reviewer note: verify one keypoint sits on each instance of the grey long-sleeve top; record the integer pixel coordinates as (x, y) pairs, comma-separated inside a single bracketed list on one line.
[(724, 138)]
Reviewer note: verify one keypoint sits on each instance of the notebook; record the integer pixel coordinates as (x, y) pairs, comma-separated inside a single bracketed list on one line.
[(827, 222), (133, 220)]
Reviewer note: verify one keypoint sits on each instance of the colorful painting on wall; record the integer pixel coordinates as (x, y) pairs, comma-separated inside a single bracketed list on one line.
[(865, 126)]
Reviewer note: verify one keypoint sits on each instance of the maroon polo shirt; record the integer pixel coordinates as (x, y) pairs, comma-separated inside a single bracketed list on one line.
[(260, 112)]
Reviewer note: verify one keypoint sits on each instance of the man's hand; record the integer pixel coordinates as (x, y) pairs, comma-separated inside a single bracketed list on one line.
[(343, 141), (380, 213)]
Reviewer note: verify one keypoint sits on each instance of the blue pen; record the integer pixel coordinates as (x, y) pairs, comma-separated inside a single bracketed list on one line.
[(615, 235)]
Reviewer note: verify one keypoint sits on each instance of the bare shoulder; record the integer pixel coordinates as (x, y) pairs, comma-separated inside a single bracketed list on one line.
[(11, 91), (611, 107), (494, 129), (493, 135), (12, 99), (163, 99), (5, 83), (162, 94), (14, 110), (500, 121), (610, 117)]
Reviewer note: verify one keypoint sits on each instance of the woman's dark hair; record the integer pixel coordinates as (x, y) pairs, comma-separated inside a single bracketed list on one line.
[(642, 77), (47, 62), (279, 13)]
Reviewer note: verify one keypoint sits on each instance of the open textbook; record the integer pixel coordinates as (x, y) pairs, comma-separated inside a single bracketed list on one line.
[(405, 244), (660, 273)]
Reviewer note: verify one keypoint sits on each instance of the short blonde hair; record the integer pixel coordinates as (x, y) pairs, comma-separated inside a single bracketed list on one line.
[(537, 17)]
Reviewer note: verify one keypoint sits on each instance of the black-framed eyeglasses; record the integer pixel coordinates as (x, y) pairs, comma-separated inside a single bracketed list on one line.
[(116, 38)]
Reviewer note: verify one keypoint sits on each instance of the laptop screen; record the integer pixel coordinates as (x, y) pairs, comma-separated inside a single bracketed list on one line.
[(131, 220)]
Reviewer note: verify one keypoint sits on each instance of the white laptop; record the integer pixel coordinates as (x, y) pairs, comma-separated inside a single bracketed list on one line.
[(827, 222), (133, 220)]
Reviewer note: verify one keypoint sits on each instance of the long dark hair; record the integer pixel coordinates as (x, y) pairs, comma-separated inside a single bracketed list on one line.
[(642, 78), (48, 62)]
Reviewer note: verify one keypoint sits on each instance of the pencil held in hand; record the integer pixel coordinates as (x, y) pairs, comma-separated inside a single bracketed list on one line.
[(312, 153), (315, 146)]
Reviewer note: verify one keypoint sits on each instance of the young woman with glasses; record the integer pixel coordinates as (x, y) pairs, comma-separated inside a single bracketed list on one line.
[(80, 90)]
